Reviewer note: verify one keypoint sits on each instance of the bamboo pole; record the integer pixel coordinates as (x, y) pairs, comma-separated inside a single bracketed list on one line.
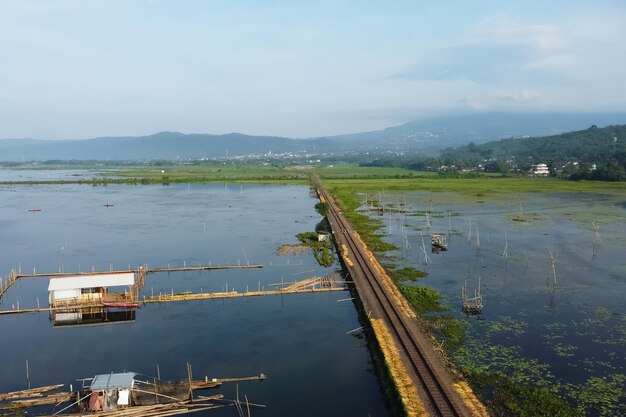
[(33, 392)]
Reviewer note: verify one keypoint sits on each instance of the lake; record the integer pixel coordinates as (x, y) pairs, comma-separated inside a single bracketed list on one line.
[(299, 341)]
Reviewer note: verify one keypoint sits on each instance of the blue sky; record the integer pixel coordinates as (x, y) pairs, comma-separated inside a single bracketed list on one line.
[(78, 69)]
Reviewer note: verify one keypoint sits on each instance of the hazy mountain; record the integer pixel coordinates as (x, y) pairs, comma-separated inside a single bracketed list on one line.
[(436, 133), (160, 146), (428, 135)]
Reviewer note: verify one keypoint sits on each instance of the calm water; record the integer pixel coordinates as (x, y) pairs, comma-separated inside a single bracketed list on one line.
[(298, 341), (7, 174), (565, 337)]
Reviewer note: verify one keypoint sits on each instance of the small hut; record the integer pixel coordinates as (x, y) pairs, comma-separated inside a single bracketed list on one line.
[(323, 237), (93, 289), (108, 392), (472, 305)]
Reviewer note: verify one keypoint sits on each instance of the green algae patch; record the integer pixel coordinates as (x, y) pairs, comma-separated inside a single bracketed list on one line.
[(422, 299), (448, 329), (510, 399), (406, 274), (602, 393), (508, 325)]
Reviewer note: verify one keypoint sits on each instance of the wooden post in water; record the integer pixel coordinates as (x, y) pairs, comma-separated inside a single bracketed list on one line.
[(245, 256), (477, 235), (189, 374), (426, 258), (596, 238), (553, 256)]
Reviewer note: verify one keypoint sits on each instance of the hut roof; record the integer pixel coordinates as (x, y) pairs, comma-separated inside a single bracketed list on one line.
[(113, 381), (91, 281)]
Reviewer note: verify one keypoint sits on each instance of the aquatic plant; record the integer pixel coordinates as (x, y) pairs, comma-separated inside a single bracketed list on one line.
[(406, 274), (448, 329), (322, 251), (507, 324), (564, 350), (604, 394), (322, 208), (422, 299)]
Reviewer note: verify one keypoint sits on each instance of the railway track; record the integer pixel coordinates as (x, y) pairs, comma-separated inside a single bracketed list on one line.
[(443, 401)]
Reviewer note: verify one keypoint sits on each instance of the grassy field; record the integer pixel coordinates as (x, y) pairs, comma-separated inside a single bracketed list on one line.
[(259, 172), (165, 174), (352, 171), (338, 177), (484, 185), (210, 173)]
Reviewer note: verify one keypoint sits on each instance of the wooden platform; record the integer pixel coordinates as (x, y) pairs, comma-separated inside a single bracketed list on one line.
[(137, 271), (309, 285), (141, 272)]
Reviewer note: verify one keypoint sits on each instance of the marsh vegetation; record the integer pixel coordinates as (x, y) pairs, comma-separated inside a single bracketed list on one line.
[(542, 347)]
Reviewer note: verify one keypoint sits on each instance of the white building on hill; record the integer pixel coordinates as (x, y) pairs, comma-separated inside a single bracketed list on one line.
[(540, 170)]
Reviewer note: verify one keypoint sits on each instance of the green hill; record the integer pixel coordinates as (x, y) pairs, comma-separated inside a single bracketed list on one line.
[(594, 153), (593, 145)]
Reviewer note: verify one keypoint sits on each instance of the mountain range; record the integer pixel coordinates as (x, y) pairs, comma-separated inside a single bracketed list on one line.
[(426, 136)]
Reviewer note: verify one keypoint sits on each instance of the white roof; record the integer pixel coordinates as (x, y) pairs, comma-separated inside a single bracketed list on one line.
[(91, 281)]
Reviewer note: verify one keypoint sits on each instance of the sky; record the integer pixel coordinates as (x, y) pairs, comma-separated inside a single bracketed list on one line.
[(79, 69)]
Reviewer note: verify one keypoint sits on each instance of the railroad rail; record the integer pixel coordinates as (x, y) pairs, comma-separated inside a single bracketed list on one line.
[(443, 401)]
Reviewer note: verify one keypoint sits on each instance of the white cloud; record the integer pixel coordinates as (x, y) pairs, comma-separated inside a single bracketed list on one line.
[(519, 96), (504, 49)]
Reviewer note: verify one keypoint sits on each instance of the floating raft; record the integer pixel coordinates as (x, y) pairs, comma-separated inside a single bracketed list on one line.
[(41, 396), (28, 393)]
